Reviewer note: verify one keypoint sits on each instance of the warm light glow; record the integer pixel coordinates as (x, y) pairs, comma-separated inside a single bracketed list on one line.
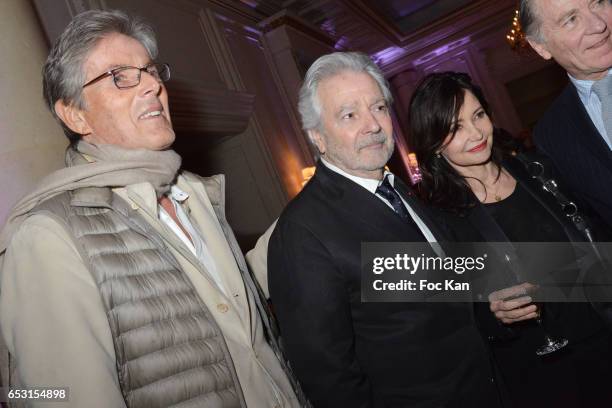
[(516, 36), (413, 169), (307, 173)]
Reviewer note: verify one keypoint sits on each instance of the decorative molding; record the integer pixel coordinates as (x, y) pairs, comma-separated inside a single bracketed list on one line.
[(290, 108), (236, 8), (267, 8), (288, 19), (222, 56), (212, 22), (431, 44), (477, 11), (288, 65), (197, 108)]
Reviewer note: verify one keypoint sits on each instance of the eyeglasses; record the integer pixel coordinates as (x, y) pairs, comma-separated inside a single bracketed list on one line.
[(129, 77)]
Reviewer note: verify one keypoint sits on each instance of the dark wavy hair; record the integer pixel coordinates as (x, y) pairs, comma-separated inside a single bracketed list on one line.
[(434, 106)]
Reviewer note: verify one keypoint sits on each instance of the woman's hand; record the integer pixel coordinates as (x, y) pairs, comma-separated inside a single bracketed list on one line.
[(513, 304)]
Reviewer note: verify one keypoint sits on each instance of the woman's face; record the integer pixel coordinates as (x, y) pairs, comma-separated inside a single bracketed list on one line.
[(471, 145)]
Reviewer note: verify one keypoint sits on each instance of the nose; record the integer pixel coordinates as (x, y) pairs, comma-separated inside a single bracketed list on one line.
[(371, 124), (596, 22), (149, 84), (476, 133)]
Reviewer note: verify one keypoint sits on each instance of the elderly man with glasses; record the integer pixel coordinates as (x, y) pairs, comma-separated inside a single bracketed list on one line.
[(120, 277)]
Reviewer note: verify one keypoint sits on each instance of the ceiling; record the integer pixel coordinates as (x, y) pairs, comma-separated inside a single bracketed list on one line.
[(410, 15), (406, 15), (390, 29)]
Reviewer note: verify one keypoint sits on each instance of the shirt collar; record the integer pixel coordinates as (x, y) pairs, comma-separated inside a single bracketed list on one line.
[(177, 194), (584, 86), (369, 184)]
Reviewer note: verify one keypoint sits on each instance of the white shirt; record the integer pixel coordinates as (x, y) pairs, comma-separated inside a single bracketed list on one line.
[(371, 185), (592, 104), (197, 244)]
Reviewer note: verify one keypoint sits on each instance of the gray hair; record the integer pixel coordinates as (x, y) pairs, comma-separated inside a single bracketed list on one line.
[(530, 21), (63, 73), (327, 66)]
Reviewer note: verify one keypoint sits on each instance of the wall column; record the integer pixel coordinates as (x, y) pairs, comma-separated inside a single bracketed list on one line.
[(31, 142)]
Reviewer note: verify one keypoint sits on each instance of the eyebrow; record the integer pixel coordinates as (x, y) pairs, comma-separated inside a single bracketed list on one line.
[(566, 15), (115, 66), (346, 107)]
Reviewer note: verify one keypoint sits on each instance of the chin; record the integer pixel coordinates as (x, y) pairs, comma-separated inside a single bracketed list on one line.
[(159, 142), (374, 164)]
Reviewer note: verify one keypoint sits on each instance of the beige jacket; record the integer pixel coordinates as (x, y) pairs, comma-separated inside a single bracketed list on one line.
[(54, 323)]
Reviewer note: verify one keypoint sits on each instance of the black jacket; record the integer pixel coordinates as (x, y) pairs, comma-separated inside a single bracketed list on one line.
[(575, 323), (347, 353), (574, 376), (567, 135)]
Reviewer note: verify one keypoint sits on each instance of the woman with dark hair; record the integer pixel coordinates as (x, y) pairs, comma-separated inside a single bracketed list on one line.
[(484, 192)]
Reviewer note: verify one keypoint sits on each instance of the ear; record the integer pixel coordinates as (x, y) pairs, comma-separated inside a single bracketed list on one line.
[(318, 139), (540, 48), (72, 117)]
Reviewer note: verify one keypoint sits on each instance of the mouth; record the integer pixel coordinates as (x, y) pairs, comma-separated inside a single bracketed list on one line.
[(154, 112), (479, 147), (376, 142), (375, 145)]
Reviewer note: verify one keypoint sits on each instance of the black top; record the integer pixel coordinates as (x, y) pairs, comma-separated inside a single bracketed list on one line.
[(554, 380), (523, 219)]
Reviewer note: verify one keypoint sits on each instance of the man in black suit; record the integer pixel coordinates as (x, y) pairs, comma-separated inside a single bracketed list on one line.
[(345, 352), (577, 34)]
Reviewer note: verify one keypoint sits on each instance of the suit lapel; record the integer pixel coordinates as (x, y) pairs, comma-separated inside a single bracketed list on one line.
[(363, 206), (140, 196), (585, 133), (204, 219), (420, 209)]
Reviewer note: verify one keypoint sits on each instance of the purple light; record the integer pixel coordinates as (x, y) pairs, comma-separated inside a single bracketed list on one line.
[(388, 54), (251, 3), (442, 50), (341, 43)]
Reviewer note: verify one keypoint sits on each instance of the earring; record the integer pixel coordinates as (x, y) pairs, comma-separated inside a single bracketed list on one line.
[(438, 155)]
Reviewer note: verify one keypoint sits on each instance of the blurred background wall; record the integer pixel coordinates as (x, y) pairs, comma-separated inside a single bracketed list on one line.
[(31, 143)]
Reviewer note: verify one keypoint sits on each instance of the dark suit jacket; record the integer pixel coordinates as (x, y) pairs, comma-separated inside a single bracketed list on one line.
[(352, 354), (567, 135)]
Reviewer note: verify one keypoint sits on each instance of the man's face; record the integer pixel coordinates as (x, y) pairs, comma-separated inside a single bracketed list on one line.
[(576, 33), (356, 131), (133, 118)]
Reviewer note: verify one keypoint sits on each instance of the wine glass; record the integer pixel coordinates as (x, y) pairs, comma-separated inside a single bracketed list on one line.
[(551, 344)]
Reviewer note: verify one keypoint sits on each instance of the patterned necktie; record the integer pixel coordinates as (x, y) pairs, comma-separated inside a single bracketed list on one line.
[(386, 191), (603, 89)]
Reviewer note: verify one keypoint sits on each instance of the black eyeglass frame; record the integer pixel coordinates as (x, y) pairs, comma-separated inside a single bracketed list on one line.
[(114, 71)]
